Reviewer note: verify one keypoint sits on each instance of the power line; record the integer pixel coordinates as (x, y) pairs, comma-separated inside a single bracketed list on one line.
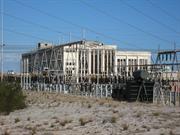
[(149, 17), (15, 47), (20, 48), (20, 45), (122, 21), (74, 24), (32, 23), (24, 34), (163, 10), (2, 39)]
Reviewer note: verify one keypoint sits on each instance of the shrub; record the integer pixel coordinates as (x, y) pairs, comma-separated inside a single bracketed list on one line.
[(16, 120), (28, 119), (52, 125), (102, 102), (156, 114), (115, 111), (125, 126), (113, 119), (89, 105), (66, 121), (33, 130), (6, 132), (11, 97), (83, 121), (138, 115), (171, 132)]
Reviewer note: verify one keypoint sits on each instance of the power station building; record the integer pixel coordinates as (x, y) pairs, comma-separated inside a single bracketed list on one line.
[(79, 62)]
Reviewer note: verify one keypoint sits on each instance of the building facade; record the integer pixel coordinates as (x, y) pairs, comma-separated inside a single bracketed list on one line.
[(80, 62), (129, 61)]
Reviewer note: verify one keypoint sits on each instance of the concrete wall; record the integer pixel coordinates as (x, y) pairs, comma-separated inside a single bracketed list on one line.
[(128, 61)]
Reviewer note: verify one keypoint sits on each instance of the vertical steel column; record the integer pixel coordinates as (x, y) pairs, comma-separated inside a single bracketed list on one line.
[(98, 66), (27, 73), (138, 63), (94, 53), (84, 55), (89, 64), (21, 75), (81, 56), (110, 61), (102, 60), (127, 66), (77, 64), (107, 64), (106, 90)]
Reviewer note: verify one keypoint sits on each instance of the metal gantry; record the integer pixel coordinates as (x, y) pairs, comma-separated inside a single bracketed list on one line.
[(167, 78), (91, 69), (76, 68)]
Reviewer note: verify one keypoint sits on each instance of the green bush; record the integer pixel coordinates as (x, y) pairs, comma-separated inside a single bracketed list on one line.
[(11, 97)]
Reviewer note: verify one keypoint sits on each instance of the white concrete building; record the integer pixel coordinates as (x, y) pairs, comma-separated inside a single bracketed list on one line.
[(81, 61), (128, 61)]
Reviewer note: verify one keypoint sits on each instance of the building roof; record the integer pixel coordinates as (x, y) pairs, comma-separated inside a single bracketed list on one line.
[(85, 42)]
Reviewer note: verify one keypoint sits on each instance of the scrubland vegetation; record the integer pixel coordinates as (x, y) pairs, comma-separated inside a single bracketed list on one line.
[(11, 97), (55, 113)]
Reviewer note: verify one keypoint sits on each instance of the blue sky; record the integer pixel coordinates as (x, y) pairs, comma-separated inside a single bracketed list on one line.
[(130, 24)]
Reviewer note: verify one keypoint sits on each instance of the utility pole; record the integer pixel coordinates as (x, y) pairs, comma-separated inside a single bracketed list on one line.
[(70, 37), (83, 34), (60, 39), (174, 46), (2, 37)]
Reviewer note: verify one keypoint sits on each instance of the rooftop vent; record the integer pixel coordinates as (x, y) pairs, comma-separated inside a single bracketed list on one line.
[(44, 45)]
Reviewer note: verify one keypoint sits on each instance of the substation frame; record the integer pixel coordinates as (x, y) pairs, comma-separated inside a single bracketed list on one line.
[(167, 78), (90, 68), (81, 68)]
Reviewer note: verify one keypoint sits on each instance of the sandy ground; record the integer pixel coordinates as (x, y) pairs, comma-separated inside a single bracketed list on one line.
[(58, 114)]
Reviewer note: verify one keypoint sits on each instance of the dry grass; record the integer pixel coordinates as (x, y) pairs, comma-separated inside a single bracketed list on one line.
[(44, 97), (109, 102), (125, 126), (52, 126), (34, 130), (65, 121), (28, 119), (57, 121), (90, 116), (84, 120), (6, 132), (138, 114), (16, 120), (102, 102), (46, 123), (1, 123), (171, 132), (115, 104), (54, 117), (144, 126), (113, 119), (58, 98), (115, 111), (89, 105), (156, 113)]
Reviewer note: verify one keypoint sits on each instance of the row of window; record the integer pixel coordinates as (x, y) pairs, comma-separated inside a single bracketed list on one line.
[(131, 61), (70, 63), (70, 69), (69, 72)]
